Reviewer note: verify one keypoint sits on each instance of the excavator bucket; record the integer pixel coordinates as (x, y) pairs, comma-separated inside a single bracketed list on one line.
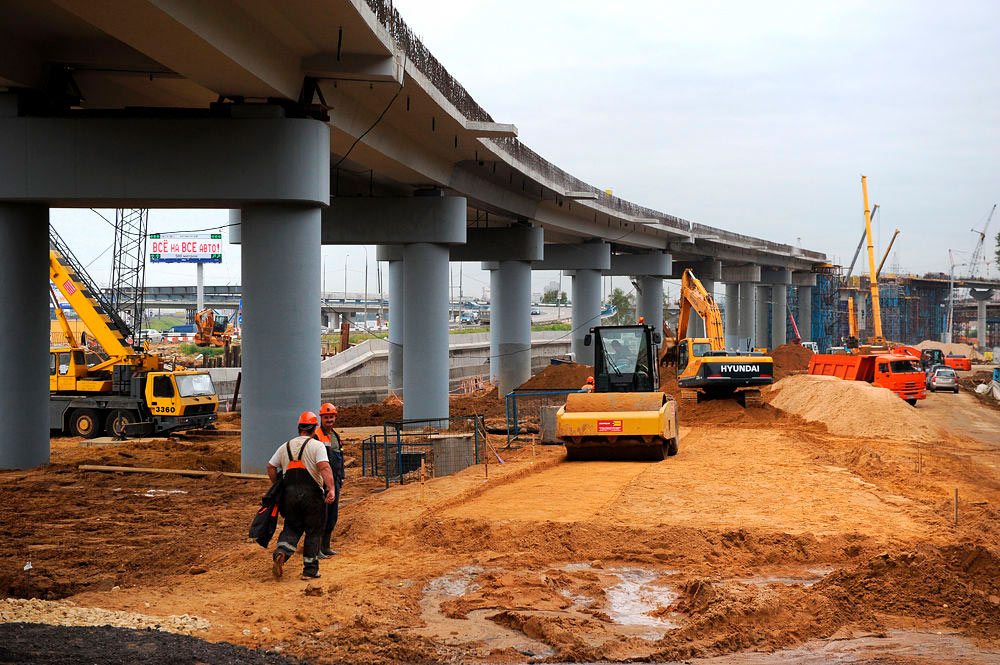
[(618, 426)]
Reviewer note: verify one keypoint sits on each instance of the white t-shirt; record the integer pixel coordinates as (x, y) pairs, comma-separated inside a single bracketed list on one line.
[(314, 453)]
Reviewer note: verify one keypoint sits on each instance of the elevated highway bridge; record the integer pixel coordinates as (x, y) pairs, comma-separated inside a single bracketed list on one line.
[(320, 122)]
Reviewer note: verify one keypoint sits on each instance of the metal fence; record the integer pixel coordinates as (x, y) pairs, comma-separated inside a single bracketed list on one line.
[(524, 411), (409, 449)]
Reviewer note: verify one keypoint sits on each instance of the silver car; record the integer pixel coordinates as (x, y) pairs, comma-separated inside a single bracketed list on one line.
[(942, 379)]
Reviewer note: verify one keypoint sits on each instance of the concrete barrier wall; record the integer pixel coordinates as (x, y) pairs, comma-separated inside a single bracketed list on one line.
[(359, 375)]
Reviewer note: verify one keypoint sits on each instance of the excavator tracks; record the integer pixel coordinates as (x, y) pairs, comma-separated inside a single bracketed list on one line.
[(752, 399)]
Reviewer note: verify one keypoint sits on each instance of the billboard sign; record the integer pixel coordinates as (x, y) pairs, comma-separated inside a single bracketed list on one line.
[(184, 247)]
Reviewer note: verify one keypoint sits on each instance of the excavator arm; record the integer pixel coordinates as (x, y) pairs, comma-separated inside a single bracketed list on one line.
[(695, 297)]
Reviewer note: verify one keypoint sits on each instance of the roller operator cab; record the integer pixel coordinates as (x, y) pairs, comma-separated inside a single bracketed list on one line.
[(626, 416), (122, 401)]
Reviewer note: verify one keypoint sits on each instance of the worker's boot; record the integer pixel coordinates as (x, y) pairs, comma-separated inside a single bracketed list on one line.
[(325, 551), (310, 568), (278, 565)]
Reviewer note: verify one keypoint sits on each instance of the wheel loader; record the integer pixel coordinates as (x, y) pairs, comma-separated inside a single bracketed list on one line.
[(626, 416)]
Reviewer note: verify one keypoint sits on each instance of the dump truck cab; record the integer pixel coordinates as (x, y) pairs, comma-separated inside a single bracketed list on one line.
[(902, 375)]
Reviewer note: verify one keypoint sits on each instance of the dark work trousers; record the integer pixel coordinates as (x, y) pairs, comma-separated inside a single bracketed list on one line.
[(304, 510), (337, 466)]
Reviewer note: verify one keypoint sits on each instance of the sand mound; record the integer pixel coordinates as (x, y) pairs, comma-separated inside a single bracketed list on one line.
[(565, 376), (952, 349), (853, 408), (790, 358)]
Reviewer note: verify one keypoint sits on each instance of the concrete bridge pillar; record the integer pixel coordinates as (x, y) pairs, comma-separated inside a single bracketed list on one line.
[(763, 298), (397, 324), (650, 305), (24, 335), (732, 314), (425, 311), (281, 284), (981, 297), (510, 324), (586, 311), (779, 314), (747, 276)]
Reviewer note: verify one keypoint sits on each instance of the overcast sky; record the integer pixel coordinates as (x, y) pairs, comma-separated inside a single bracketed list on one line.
[(757, 117)]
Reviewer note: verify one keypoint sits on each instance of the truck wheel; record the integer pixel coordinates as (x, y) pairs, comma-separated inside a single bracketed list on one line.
[(672, 447), (84, 422), (911, 402), (118, 419)]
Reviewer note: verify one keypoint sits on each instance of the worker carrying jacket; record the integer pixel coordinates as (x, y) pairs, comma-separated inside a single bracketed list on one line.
[(305, 471), (335, 452)]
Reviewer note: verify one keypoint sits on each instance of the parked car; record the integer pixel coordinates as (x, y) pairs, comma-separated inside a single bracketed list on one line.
[(812, 346), (535, 311), (151, 335), (943, 379)]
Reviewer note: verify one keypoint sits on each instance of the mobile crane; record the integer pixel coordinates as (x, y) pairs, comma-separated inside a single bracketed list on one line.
[(129, 392), (705, 369)]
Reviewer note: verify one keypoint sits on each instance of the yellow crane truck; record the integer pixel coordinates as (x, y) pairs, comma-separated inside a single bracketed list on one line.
[(126, 393), (705, 369)]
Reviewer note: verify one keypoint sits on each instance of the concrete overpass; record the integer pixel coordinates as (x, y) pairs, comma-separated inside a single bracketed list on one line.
[(318, 122)]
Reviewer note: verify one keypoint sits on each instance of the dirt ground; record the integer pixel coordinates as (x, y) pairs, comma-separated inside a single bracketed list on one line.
[(766, 539)]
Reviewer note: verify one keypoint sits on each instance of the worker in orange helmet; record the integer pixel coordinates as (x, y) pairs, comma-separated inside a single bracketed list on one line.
[(589, 385), (305, 472), (335, 451)]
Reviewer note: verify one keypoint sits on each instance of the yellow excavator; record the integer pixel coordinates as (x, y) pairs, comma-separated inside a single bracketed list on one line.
[(705, 369), (626, 416), (124, 392)]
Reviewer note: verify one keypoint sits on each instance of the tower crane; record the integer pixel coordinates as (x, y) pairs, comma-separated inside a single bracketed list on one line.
[(978, 251)]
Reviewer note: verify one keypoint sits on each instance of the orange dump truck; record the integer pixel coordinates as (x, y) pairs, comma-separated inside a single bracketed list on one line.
[(898, 373)]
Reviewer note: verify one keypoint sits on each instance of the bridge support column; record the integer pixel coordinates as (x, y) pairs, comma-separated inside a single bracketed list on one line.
[(510, 324), (397, 325), (981, 297), (586, 311), (281, 332), (651, 301), (760, 336), (805, 313), (779, 314), (746, 315), (425, 367), (732, 314), (24, 390)]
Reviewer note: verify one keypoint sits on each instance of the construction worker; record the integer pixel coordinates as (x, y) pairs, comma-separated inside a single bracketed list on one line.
[(589, 385), (335, 452), (308, 483)]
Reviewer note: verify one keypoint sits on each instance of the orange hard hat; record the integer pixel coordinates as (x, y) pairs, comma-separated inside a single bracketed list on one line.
[(308, 418), (590, 379), (328, 410), (642, 319)]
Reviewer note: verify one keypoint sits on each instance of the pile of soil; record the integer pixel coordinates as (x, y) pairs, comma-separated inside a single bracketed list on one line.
[(790, 359), (853, 408), (565, 376), (486, 403), (952, 349)]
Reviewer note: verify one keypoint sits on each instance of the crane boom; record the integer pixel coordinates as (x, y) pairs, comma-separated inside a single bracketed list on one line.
[(977, 252), (876, 309), (695, 297)]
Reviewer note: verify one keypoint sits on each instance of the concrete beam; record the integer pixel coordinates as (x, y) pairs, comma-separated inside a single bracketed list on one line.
[(389, 253), (490, 130), (656, 264), (783, 277), (395, 220), (803, 279), (580, 256), (164, 162), (354, 66), (742, 274), (709, 269), (515, 243)]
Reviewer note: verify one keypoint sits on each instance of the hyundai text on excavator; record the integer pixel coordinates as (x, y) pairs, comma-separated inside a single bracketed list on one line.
[(705, 369), (626, 416), (128, 392)]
